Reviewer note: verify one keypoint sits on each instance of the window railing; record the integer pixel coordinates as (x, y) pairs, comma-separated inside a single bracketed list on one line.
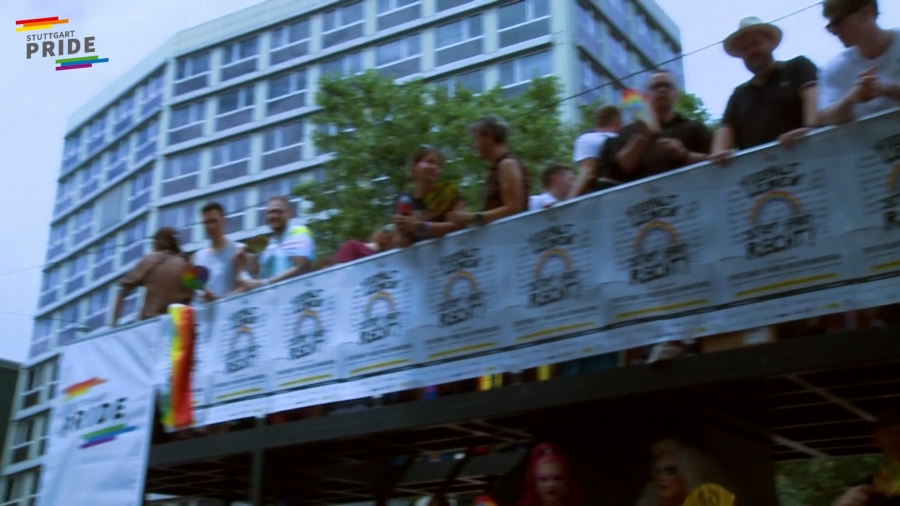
[(779, 236)]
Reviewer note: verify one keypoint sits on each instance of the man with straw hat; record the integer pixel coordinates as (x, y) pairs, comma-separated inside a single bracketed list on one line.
[(778, 103), (865, 78)]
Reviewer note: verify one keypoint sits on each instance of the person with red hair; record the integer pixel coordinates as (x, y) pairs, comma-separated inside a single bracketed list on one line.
[(549, 480)]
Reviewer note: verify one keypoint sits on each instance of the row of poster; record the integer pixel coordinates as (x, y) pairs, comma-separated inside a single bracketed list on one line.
[(777, 235)]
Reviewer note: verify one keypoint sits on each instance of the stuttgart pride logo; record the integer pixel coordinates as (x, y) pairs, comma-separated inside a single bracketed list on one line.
[(56, 44)]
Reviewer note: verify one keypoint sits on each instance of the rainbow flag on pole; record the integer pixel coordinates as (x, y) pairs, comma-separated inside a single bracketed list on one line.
[(636, 106), (176, 408)]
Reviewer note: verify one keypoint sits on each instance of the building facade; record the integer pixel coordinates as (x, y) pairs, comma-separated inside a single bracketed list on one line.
[(223, 111)]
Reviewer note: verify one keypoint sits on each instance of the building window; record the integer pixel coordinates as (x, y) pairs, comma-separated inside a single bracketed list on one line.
[(181, 174), (524, 20), (594, 85), (181, 217), (97, 134), (192, 73), (146, 142), (117, 161), (123, 114), (65, 194), (186, 122), (343, 24), (58, 237), (130, 306), (459, 40), (69, 323), (235, 108), (393, 13), (98, 306), (90, 179), (239, 58), (399, 58), (282, 187), (111, 205), (141, 188), (472, 81), (230, 160), (84, 225), (343, 66), (133, 241), (516, 75), (287, 92), (617, 55), (23, 436), (40, 341), (289, 42), (443, 5), (151, 94), (105, 257), (235, 204), (50, 287), (22, 488), (283, 145), (70, 151), (76, 273)]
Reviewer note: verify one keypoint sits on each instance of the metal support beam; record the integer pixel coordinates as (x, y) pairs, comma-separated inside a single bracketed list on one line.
[(256, 476), (830, 397)]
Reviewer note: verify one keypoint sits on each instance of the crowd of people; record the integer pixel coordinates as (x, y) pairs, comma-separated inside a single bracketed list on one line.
[(782, 102)]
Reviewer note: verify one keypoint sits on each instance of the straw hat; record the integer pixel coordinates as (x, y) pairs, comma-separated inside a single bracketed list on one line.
[(750, 25)]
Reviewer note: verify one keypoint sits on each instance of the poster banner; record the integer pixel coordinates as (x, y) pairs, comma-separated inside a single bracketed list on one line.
[(305, 356), (659, 272), (242, 340), (377, 324), (874, 191), (100, 427), (781, 240), (555, 294), (462, 316)]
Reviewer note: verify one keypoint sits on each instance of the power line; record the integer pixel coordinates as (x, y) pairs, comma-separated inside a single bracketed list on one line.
[(116, 247)]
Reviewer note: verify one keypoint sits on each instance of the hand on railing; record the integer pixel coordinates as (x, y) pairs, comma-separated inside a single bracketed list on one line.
[(792, 138)]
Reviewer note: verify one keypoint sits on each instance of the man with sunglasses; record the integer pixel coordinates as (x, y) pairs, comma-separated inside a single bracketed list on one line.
[(640, 152), (865, 78), (779, 103)]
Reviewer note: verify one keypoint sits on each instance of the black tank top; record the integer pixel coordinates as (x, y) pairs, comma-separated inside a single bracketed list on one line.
[(493, 197)]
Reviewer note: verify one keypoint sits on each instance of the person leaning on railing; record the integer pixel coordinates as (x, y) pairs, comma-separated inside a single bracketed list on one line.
[(160, 273), (429, 202)]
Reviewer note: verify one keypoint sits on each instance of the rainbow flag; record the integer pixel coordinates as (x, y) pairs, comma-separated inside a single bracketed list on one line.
[(176, 410), (636, 106)]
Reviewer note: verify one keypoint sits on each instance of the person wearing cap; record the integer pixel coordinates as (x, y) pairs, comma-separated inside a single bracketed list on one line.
[(865, 78), (883, 489), (778, 103)]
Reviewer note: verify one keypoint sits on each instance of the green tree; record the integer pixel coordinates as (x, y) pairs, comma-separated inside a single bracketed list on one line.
[(691, 107), (819, 482), (371, 125)]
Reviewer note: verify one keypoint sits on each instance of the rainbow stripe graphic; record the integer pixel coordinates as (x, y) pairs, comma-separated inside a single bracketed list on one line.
[(83, 62), (106, 435), (774, 198), (177, 409), (460, 278), (653, 228), (549, 256), (379, 299), (893, 178), (79, 389), (308, 315), (39, 23)]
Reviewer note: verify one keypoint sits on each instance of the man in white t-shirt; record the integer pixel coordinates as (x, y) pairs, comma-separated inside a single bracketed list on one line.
[(865, 78), (588, 147), (557, 182), (223, 259)]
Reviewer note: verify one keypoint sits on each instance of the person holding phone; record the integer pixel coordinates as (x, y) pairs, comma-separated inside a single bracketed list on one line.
[(422, 213)]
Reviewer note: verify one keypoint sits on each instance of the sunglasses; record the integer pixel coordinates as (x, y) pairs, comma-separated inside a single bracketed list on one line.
[(662, 86), (836, 23)]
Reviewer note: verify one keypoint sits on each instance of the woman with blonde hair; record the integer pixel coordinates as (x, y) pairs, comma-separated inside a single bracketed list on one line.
[(677, 470)]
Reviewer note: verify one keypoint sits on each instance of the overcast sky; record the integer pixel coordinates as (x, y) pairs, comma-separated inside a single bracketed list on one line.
[(36, 101)]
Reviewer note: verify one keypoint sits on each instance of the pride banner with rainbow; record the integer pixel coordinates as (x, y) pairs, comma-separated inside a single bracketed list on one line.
[(176, 410)]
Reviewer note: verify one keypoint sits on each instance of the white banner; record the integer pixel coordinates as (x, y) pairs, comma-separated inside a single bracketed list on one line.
[(242, 337), (100, 428)]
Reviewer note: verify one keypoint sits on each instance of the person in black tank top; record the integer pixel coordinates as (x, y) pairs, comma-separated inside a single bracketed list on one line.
[(506, 190), (430, 200)]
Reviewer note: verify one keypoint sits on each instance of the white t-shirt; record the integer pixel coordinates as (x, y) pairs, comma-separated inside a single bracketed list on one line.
[(541, 201), (841, 73), (589, 145), (220, 265)]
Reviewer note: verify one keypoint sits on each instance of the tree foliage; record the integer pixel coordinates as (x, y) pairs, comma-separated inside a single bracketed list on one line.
[(691, 107), (820, 482), (371, 125)]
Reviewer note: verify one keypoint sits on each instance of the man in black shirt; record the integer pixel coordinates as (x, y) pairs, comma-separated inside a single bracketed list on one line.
[(639, 152), (779, 103)]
